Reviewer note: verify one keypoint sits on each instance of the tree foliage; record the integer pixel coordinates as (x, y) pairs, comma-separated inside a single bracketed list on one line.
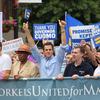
[(87, 11)]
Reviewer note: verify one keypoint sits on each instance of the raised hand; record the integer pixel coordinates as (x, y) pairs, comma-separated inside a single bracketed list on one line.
[(25, 26), (62, 23)]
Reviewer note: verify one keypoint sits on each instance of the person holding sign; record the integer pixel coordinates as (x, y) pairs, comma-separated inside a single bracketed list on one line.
[(49, 63), (5, 64)]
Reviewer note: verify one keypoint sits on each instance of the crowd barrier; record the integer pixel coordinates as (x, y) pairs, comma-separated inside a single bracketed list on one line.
[(50, 89)]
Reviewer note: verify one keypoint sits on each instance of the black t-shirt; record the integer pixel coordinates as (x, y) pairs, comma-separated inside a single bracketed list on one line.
[(81, 70), (90, 62)]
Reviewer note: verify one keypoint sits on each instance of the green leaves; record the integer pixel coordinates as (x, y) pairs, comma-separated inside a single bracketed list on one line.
[(88, 11)]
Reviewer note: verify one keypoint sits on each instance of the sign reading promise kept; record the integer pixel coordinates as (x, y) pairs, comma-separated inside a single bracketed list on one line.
[(45, 31)]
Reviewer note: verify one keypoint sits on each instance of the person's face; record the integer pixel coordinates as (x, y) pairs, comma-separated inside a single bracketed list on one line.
[(69, 58), (48, 51), (77, 55), (22, 56)]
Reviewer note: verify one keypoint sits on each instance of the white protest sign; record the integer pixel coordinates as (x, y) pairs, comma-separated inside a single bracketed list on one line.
[(0, 26), (30, 1), (11, 45), (79, 33)]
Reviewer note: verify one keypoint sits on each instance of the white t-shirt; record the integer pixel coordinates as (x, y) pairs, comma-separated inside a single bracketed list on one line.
[(97, 71), (5, 62)]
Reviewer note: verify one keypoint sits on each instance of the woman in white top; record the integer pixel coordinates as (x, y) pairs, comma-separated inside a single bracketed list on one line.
[(97, 70)]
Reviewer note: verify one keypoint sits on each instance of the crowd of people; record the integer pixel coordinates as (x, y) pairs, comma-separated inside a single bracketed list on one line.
[(29, 62)]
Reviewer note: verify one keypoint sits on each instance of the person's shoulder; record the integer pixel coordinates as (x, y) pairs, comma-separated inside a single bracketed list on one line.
[(16, 63), (98, 68), (30, 63), (86, 64), (6, 56), (70, 65)]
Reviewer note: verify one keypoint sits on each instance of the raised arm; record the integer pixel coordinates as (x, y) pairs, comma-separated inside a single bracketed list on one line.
[(35, 52), (63, 33), (28, 35)]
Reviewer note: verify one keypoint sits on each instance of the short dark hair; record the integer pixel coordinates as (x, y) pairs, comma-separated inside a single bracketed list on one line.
[(82, 50), (48, 43)]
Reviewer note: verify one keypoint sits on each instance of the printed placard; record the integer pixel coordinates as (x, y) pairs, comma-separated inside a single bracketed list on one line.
[(45, 31), (11, 45)]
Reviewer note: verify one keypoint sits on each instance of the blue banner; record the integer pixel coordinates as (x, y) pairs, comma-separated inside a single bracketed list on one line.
[(71, 21), (45, 31), (50, 89), (96, 35)]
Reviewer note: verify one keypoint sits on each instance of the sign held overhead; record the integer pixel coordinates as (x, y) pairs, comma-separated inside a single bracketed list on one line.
[(30, 1)]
